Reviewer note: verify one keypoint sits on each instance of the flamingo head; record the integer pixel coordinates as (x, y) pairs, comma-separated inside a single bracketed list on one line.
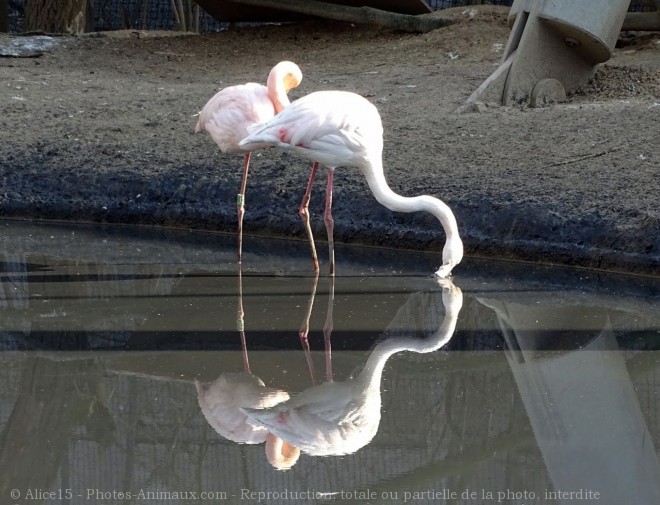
[(452, 254), (280, 454), (284, 76), (290, 74)]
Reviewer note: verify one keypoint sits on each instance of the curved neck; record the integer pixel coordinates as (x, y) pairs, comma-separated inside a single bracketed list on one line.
[(279, 83), (372, 372), (393, 201)]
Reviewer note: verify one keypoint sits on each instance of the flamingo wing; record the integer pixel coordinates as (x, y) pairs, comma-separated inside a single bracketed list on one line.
[(324, 420), (335, 128)]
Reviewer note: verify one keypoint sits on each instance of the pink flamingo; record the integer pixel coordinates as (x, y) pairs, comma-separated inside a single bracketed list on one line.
[(339, 128), (232, 111)]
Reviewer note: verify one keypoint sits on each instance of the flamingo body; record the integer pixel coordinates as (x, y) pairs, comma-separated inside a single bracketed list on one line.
[(221, 402), (340, 128), (228, 114), (333, 418)]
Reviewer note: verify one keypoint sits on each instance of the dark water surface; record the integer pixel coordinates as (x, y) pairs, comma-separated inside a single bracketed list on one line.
[(126, 362)]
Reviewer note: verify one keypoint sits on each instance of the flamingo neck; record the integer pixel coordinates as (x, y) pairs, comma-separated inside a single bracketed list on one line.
[(373, 170), (372, 372), (279, 98), (279, 83)]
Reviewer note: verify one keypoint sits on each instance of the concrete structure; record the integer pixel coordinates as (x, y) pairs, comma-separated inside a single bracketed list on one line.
[(554, 47)]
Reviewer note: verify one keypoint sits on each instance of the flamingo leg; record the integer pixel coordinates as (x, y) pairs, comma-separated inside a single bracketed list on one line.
[(329, 222), (240, 322), (304, 215), (240, 206), (327, 331), (304, 329)]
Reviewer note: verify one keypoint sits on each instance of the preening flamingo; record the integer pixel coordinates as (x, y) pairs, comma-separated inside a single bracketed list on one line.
[(338, 418), (228, 115), (222, 400), (340, 128)]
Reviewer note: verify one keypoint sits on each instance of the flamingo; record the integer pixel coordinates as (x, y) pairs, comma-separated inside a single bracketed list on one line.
[(222, 400), (228, 115), (337, 418), (340, 128)]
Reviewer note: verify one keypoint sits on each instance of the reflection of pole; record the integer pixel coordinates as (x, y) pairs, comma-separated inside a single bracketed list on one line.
[(327, 330), (240, 321), (588, 424), (304, 328)]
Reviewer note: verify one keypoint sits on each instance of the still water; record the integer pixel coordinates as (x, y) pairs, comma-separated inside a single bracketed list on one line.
[(137, 366)]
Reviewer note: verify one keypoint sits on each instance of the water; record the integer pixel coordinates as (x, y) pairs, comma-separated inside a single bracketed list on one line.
[(545, 391)]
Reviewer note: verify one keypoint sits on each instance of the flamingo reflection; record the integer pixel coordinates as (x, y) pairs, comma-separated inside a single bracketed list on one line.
[(223, 400), (337, 418), (327, 330)]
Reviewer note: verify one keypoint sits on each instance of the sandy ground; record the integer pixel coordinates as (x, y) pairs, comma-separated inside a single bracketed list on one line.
[(100, 128)]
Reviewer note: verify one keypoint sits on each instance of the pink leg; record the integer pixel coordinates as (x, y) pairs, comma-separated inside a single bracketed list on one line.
[(240, 206), (329, 222), (240, 322), (327, 331), (304, 215), (304, 329)]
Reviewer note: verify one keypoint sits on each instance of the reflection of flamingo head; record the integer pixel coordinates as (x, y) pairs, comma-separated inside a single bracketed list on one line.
[(221, 402), (280, 454)]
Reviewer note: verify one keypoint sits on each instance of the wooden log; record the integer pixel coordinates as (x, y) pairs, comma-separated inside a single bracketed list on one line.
[(642, 21), (367, 15)]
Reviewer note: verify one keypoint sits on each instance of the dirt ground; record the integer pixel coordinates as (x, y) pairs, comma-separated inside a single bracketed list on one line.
[(100, 128)]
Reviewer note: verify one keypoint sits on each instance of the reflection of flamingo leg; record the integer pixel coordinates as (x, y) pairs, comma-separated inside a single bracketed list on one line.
[(327, 331), (240, 322), (329, 222), (240, 206), (304, 215), (304, 329)]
